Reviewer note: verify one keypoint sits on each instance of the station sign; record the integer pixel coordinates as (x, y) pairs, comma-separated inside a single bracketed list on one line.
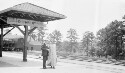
[(19, 21)]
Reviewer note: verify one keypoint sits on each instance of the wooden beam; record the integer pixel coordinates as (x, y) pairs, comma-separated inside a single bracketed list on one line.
[(8, 31), (19, 29), (31, 30), (3, 20)]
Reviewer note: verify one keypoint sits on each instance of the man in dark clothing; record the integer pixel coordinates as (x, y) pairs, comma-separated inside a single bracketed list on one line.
[(45, 54)]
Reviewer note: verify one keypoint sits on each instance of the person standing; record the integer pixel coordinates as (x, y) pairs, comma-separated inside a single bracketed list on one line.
[(52, 59), (45, 54)]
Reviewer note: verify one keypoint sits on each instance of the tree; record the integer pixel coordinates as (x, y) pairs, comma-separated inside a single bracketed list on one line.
[(33, 35), (64, 51), (72, 36), (101, 42), (87, 41), (55, 37), (110, 38), (41, 34), (50, 38), (65, 45)]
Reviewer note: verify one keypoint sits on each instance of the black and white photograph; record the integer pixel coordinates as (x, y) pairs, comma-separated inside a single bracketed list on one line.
[(62, 36)]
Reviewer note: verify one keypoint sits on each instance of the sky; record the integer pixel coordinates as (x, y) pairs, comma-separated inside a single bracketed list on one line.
[(82, 15)]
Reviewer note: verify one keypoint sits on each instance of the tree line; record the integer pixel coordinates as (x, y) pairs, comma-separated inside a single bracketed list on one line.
[(108, 41)]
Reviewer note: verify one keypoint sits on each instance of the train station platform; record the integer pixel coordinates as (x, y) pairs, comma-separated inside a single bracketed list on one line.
[(13, 63)]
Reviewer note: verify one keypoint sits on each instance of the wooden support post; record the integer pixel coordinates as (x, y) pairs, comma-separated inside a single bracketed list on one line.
[(1, 41), (25, 44)]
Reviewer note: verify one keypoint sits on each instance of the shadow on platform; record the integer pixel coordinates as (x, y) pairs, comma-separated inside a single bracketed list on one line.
[(4, 64)]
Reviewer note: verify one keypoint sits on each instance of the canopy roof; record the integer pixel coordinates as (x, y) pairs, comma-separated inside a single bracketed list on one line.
[(30, 12)]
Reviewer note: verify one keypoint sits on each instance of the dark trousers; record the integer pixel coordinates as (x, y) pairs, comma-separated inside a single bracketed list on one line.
[(44, 61)]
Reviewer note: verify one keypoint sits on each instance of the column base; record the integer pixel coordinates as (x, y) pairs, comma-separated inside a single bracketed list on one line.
[(0, 54), (24, 60)]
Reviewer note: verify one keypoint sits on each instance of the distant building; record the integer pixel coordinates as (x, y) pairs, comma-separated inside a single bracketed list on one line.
[(32, 44)]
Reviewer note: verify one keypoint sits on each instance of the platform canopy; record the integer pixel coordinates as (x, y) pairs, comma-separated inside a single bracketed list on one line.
[(27, 13)]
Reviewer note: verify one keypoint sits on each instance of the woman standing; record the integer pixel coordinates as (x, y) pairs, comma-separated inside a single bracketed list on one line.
[(52, 59)]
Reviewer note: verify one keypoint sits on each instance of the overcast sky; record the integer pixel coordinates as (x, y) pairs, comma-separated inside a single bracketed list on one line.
[(82, 15)]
